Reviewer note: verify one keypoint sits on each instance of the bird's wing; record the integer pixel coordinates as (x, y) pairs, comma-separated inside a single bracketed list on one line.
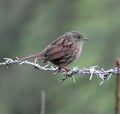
[(53, 53)]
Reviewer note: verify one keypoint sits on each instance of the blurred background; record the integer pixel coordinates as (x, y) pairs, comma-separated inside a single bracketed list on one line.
[(28, 26)]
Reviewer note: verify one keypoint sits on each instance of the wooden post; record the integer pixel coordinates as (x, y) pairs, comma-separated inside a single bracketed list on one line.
[(117, 86)]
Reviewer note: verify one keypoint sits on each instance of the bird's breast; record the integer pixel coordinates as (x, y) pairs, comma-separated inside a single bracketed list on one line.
[(78, 50)]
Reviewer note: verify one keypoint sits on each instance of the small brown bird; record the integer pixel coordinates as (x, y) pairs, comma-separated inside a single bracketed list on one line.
[(61, 51)]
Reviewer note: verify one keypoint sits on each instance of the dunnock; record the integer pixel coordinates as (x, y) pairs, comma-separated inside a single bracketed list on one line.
[(61, 51)]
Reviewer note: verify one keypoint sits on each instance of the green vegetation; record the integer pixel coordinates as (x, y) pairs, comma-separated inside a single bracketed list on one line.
[(28, 26)]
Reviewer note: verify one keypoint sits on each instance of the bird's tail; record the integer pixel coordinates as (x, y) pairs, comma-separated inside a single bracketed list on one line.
[(35, 56)]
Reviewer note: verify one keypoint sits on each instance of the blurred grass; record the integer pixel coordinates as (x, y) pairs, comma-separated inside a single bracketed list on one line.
[(28, 26)]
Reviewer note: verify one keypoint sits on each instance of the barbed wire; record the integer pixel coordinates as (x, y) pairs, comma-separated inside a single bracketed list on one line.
[(91, 71)]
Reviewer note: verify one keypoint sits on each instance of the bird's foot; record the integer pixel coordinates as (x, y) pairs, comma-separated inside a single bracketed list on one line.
[(63, 68)]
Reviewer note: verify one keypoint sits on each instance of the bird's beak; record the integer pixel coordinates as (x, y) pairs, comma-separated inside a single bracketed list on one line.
[(85, 38)]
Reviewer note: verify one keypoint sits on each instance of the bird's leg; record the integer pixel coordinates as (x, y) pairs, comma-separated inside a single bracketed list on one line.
[(63, 68)]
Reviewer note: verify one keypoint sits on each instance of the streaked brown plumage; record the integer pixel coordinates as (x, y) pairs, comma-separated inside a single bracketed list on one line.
[(61, 51)]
